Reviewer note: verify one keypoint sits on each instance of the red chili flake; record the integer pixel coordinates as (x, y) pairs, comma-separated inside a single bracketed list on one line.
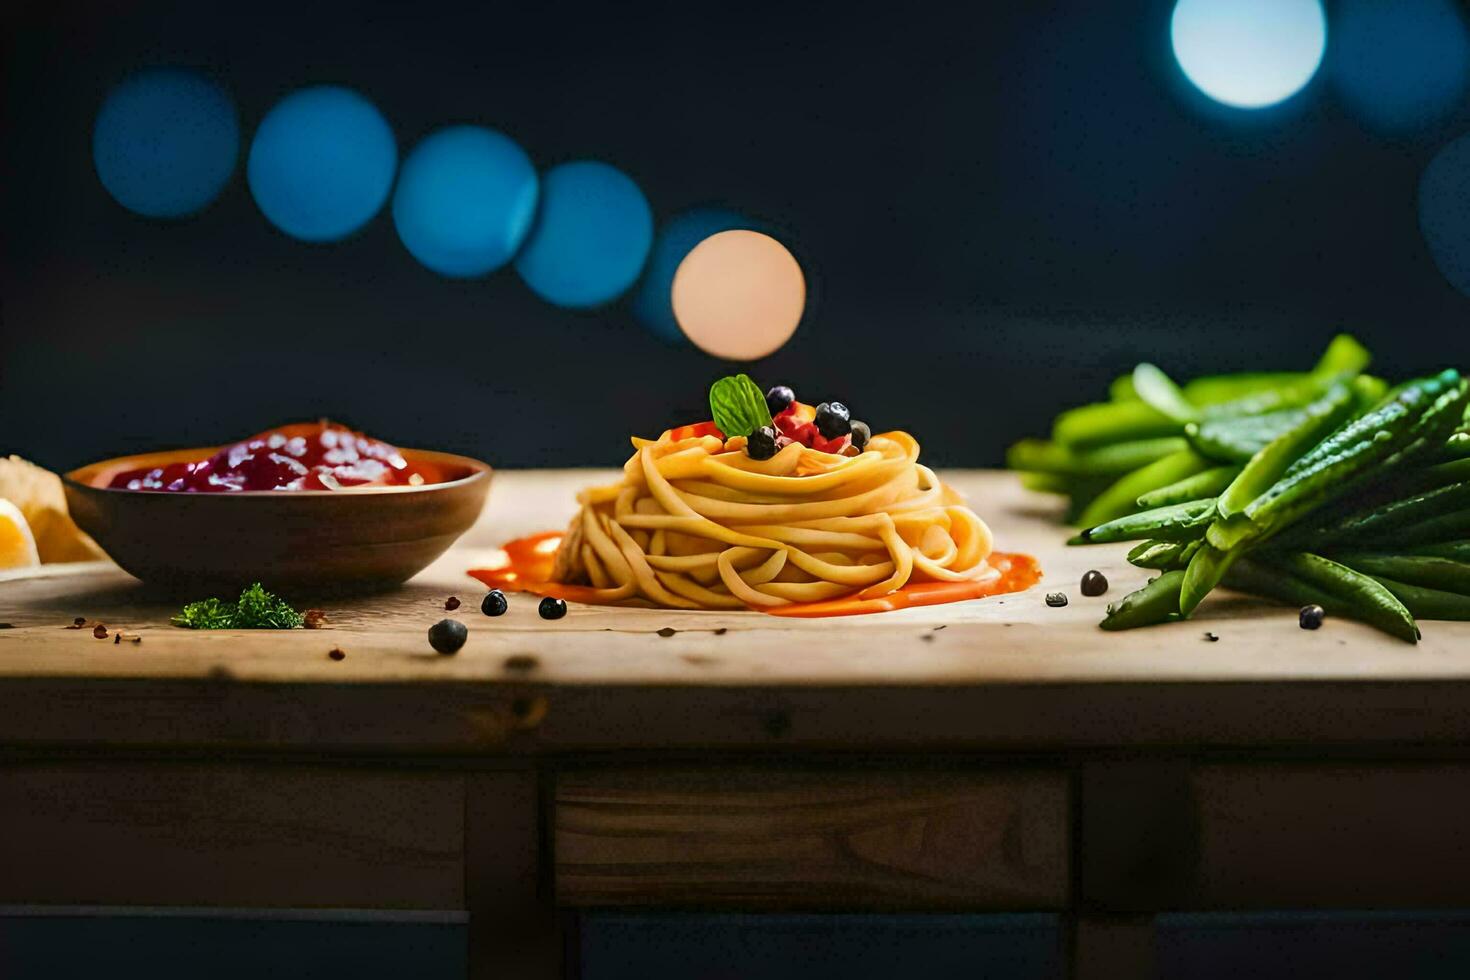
[(452, 602), (313, 619), (336, 654), (99, 631)]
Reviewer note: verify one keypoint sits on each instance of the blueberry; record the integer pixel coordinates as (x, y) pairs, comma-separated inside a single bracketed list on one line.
[(762, 443), (833, 420), (494, 603), (1094, 583), (1311, 617), (779, 398), (552, 608), (860, 434), (448, 635)]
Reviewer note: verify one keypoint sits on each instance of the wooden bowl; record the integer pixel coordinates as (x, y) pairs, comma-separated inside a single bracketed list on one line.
[(305, 541)]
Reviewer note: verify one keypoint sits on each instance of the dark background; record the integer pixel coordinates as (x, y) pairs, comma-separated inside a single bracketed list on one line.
[(998, 206)]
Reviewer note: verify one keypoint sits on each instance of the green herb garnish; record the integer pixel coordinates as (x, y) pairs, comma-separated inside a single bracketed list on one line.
[(738, 406), (256, 609)]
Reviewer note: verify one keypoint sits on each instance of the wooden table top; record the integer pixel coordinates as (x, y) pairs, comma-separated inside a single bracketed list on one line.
[(1001, 673)]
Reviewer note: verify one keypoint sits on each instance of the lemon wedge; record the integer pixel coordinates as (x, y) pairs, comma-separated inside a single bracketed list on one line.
[(17, 546)]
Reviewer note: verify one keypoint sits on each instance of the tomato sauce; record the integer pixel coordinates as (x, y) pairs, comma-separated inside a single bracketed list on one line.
[(305, 456), (528, 562)]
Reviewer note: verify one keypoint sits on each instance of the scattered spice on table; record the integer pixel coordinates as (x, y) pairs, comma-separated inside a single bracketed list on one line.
[(452, 603), (448, 635), (336, 653), (313, 619), (99, 631), (667, 632), (1094, 583), (1056, 599), (1212, 638), (521, 661)]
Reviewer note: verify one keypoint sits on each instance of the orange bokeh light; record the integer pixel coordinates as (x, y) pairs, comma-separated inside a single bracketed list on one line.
[(739, 295)]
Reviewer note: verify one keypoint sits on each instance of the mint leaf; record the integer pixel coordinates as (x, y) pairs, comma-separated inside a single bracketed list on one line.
[(738, 406)]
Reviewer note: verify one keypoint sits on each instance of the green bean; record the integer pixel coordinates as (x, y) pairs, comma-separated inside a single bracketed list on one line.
[(1156, 602), (1403, 512), (1165, 556), (1237, 439), (1158, 390), (1090, 426), (1266, 466), (1259, 578), (1344, 355), (1206, 484), (1045, 482), (1206, 569), (1326, 471), (1427, 571), (1230, 533), (1121, 389), (1428, 603), (1121, 498), (1179, 522), (1457, 446), (1453, 550), (1445, 528), (1365, 599), (1114, 460), (1219, 388)]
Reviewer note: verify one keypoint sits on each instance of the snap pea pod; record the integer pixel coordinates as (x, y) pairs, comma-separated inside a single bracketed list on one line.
[(1413, 509), (1048, 457), (1457, 446), (1122, 497), (1453, 550), (1426, 571), (1445, 528), (1090, 426), (1428, 603), (1206, 484), (1326, 471), (1121, 389), (1365, 599), (1157, 389), (1270, 462), (1179, 522), (1165, 556), (1156, 602), (1206, 568)]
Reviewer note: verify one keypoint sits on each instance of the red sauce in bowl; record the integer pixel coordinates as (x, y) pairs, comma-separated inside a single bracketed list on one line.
[(305, 456)]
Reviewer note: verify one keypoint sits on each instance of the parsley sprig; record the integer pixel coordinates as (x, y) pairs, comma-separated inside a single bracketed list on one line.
[(256, 609)]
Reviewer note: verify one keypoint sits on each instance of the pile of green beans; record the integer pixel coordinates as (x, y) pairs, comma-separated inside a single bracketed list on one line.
[(1322, 488)]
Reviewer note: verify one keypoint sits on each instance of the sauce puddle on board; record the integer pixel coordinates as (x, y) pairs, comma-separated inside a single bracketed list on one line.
[(528, 562)]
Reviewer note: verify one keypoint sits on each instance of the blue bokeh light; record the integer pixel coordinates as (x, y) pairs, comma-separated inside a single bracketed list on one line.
[(591, 236), (1444, 211), (652, 303), (1248, 53), (321, 164), (1400, 65), (165, 142), (465, 201)]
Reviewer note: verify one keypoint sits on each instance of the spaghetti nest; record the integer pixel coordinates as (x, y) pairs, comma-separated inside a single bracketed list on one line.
[(696, 523)]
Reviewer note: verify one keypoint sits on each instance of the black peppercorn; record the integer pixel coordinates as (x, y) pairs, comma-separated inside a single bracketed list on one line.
[(1311, 617), (448, 635), (1056, 599), (1094, 583), (552, 608), (494, 603)]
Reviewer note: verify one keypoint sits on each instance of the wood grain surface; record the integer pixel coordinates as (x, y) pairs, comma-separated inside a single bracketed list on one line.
[(225, 835), (990, 673), (815, 840)]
